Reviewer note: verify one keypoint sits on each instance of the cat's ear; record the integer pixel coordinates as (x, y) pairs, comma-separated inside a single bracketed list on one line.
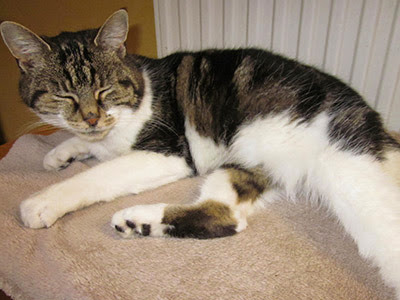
[(113, 33), (27, 47)]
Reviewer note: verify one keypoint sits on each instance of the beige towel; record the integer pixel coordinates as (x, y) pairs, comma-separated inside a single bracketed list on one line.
[(289, 251)]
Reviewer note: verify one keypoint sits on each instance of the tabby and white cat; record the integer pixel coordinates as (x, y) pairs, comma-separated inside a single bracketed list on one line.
[(252, 122)]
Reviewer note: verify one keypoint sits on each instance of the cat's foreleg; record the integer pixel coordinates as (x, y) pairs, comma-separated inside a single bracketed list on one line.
[(132, 173), (66, 152), (226, 199)]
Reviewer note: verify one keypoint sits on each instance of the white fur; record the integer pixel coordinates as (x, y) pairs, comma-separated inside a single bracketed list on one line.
[(123, 135), (357, 188), (367, 201), (58, 157), (218, 187), (286, 149), (206, 154), (141, 214), (132, 173)]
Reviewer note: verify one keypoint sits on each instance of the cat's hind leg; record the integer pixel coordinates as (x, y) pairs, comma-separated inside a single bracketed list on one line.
[(366, 199), (227, 198)]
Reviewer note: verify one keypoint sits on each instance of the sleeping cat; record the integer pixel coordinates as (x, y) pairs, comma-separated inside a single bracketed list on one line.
[(253, 123)]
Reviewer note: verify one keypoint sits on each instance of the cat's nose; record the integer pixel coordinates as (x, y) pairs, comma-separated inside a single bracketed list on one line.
[(92, 119)]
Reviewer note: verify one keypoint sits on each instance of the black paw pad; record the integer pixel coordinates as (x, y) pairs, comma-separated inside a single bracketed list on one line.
[(146, 228), (130, 224), (67, 163), (119, 228)]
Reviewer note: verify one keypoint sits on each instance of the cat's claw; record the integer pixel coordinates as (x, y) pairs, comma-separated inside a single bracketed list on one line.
[(140, 220)]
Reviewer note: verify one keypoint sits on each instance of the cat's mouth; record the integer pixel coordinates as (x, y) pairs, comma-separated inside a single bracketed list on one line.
[(93, 135)]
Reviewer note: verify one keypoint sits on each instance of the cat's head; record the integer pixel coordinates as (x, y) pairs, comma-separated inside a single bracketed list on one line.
[(76, 80)]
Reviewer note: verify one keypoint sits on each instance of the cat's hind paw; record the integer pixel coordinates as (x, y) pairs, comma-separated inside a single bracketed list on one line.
[(209, 219), (140, 220)]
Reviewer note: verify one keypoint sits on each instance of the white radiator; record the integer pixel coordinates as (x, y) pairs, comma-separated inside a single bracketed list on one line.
[(356, 40)]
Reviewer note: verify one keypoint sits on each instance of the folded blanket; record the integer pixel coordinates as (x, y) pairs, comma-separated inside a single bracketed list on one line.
[(289, 251)]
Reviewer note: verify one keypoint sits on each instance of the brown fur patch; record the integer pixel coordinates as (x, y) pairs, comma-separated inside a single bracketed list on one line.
[(244, 75), (190, 94), (249, 184), (195, 83), (208, 219)]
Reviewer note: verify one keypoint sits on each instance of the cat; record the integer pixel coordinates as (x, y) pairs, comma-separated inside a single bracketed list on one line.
[(253, 123)]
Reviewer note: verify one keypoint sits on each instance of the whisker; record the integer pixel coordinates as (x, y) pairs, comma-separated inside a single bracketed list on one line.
[(36, 126)]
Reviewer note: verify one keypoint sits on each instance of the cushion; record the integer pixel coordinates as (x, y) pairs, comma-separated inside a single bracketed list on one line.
[(289, 251)]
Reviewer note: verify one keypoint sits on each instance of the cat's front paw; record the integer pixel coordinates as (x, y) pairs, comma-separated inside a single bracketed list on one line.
[(65, 153), (37, 212), (140, 220)]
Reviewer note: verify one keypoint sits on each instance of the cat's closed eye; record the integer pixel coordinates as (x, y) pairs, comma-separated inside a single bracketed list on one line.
[(66, 97), (101, 93)]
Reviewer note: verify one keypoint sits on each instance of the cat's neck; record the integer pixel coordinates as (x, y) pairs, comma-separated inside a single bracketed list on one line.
[(122, 137)]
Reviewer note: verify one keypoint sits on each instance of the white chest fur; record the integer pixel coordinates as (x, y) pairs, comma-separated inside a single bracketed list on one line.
[(121, 138)]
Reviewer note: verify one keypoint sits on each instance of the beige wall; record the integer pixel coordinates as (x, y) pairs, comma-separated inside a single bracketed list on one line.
[(49, 17)]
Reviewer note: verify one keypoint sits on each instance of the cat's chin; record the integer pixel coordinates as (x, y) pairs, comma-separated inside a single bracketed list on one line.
[(92, 136)]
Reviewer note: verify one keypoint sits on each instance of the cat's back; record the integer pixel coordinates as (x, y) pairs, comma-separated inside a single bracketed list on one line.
[(221, 92), (221, 89)]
